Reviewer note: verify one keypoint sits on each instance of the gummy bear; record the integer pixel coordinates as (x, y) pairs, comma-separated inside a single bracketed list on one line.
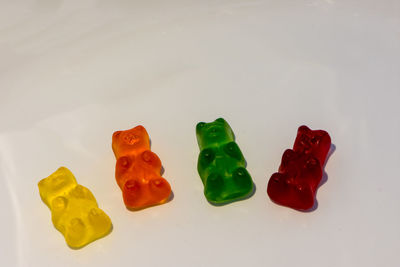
[(221, 164), (74, 210), (137, 170), (300, 172)]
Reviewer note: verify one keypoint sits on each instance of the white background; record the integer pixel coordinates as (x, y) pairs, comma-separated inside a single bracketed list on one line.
[(73, 72)]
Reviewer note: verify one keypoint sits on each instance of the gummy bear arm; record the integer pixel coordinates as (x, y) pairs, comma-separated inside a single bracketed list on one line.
[(151, 159), (205, 160), (81, 192), (233, 150)]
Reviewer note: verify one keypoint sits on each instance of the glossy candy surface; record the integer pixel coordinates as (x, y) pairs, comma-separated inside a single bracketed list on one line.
[(221, 165), (138, 169), (74, 210), (316, 143), (301, 170)]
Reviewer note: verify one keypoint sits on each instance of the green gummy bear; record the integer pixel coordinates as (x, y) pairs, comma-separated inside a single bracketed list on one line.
[(221, 164)]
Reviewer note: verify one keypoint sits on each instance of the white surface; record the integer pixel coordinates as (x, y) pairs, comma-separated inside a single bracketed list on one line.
[(72, 72)]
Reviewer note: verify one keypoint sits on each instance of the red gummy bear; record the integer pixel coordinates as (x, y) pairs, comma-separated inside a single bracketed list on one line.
[(300, 172)]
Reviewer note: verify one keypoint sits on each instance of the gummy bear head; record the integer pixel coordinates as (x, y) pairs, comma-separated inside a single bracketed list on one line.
[(316, 143), (131, 141), (56, 184), (213, 133)]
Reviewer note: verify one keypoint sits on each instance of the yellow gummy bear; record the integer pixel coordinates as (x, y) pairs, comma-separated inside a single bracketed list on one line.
[(74, 210)]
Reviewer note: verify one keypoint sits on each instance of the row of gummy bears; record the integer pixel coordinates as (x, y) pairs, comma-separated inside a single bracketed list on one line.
[(221, 166)]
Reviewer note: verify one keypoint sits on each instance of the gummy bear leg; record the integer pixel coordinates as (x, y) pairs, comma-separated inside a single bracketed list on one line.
[(99, 221), (304, 197), (75, 234), (278, 190), (59, 205), (213, 188), (283, 192), (237, 187), (132, 192), (160, 190), (243, 184)]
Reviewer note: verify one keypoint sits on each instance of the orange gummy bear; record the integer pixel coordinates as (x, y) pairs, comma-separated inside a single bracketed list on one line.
[(137, 170)]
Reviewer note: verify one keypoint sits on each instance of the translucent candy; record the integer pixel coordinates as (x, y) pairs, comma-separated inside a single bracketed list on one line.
[(316, 143), (74, 210), (138, 169), (221, 165), (296, 183)]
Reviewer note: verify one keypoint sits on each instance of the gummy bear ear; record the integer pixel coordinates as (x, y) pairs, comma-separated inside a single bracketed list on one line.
[(66, 174), (64, 171), (220, 120), (289, 155), (303, 129), (116, 134), (139, 128), (200, 126)]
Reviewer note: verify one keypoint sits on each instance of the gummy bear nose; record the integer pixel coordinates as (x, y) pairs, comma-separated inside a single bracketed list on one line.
[(130, 138), (305, 141), (213, 131), (315, 140)]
